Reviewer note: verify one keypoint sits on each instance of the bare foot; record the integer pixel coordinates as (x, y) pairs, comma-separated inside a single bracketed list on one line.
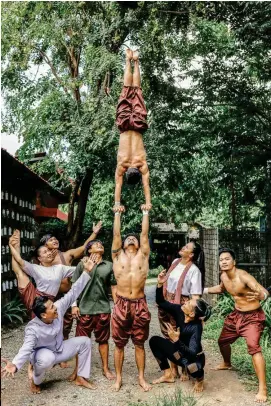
[(261, 396), (145, 385), (222, 367), (34, 388), (117, 385), (184, 377), (109, 375), (80, 381), (164, 379), (129, 54), (64, 364), (198, 387), (30, 372), (135, 55), (73, 376)]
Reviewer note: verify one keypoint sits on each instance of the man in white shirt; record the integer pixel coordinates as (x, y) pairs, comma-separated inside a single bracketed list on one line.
[(44, 345)]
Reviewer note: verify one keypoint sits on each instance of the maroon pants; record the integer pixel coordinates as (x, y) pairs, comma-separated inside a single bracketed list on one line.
[(28, 295), (130, 318), (131, 110), (249, 325), (97, 323)]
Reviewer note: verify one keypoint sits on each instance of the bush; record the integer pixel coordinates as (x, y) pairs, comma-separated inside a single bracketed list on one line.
[(13, 312), (153, 273)]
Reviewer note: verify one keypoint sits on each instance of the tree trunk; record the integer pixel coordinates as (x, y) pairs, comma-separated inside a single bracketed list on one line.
[(73, 196), (81, 209)]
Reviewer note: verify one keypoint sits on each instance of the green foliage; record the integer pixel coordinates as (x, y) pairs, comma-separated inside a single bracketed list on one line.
[(153, 273), (179, 398), (13, 312), (205, 76), (224, 305)]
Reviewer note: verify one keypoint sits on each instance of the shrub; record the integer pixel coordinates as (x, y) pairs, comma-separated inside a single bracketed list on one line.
[(153, 273), (13, 312)]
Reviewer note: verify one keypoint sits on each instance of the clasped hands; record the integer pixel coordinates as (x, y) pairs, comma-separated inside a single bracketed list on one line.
[(119, 208), (174, 335)]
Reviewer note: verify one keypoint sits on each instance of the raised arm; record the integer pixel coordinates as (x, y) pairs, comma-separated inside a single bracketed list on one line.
[(117, 242), (258, 292), (13, 241), (144, 236), (70, 297), (146, 185), (79, 251)]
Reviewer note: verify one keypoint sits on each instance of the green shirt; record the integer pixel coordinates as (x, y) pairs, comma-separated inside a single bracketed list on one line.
[(94, 299)]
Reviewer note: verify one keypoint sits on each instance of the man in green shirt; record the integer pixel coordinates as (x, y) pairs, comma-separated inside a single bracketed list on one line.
[(92, 309)]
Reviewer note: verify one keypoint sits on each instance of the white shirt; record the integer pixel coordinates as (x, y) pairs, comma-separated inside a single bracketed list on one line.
[(192, 283), (48, 278)]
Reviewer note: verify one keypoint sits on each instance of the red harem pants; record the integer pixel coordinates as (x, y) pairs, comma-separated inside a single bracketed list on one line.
[(131, 110)]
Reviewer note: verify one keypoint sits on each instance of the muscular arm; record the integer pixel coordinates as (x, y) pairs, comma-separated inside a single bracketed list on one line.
[(118, 182), (144, 236), (146, 183), (251, 282), (75, 253), (215, 289), (117, 242)]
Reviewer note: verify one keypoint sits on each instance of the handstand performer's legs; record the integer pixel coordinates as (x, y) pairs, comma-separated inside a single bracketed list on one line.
[(136, 75), (128, 76)]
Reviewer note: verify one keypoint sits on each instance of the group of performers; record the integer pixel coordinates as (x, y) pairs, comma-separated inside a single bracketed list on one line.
[(64, 292)]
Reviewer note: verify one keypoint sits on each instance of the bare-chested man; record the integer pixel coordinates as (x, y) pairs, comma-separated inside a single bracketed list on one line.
[(247, 320), (131, 317), (131, 122)]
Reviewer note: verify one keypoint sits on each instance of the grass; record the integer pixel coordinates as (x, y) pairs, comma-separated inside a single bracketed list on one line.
[(178, 398), (241, 360)]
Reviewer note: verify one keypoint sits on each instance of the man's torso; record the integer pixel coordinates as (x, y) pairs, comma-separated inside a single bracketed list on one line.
[(238, 289), (94, 298), (131, 274), (131, 151)]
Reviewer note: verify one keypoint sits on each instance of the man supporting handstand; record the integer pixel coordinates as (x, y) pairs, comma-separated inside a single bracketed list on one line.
[(92, 309), (247, 320), (43, 342), (130, 317), (131, 122)]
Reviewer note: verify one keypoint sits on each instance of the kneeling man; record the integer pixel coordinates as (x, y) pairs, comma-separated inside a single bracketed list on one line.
[(44, 345)]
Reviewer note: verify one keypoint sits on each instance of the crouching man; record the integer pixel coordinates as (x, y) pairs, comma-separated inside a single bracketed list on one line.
[(43, 343)]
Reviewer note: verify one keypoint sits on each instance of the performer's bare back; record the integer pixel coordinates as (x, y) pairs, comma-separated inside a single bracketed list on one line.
[(131, 153)]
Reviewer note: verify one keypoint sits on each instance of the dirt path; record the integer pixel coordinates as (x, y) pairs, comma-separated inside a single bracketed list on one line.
[(222, 388)]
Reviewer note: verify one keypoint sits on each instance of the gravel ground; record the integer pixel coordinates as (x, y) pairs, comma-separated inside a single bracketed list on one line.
[(222, 388)]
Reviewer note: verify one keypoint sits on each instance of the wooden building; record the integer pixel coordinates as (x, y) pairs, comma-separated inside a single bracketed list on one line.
[(26, 200)]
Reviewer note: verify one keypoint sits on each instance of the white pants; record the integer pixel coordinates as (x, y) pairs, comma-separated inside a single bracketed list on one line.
[(45, 359)]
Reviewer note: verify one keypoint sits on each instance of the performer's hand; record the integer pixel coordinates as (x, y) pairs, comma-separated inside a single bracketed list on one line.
[(76, 312), (54, 253), (174, 335), (89, 263), (162, 277), (14, 240), (96, 228), (9, 369), (146, 206), (118, 209), (251, 296)]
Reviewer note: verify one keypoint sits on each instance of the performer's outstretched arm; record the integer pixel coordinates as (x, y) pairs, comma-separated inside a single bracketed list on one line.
[(146, 185), (144, 236), (117, 242), (118, 184)]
